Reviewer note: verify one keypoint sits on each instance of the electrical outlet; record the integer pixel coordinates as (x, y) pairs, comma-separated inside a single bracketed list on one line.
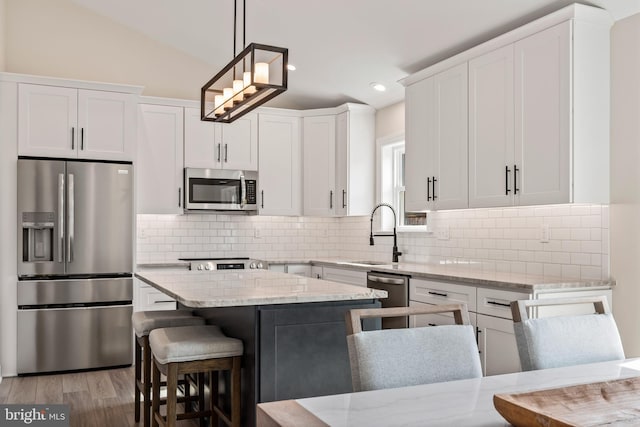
[(142, 233), (544, 233), (256, 233), (442, 233)]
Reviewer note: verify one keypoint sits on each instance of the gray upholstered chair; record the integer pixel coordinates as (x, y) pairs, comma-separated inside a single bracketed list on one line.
[(552, 342), (402, 357)]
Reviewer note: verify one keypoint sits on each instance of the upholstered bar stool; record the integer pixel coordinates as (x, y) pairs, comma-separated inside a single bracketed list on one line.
[(191, 350), (143, 323)]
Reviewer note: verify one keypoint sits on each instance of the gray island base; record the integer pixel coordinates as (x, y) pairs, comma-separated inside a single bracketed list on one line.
[(292, 328), (291, 351)]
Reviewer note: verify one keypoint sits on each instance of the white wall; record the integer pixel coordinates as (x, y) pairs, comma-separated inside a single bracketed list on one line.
[(390, 121), (625, 179), (60, 39), (2, 34)]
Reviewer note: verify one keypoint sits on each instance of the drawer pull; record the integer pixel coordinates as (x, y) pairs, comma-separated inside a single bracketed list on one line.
[(163, 301), (432, 324), (438, 294), (501, 304)]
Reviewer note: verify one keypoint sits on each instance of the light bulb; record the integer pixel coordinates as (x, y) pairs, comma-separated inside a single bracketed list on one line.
[(262, 73), (237, 91), (228, 98), (248, 88)]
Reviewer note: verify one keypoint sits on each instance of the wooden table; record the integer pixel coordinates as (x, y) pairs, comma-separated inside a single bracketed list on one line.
[(455, 403)]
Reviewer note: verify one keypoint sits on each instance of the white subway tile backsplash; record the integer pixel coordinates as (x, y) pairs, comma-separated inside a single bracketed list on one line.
[(495, 239)]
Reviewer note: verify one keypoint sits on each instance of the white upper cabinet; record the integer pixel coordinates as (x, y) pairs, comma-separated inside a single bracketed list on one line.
[(538, 116), (280, 179), (339, 161), (436, 142), (491, 145), (159, 161), (221, 145), (319, 151), (75, 123), (543, 117), (200, 149), (355, 161)]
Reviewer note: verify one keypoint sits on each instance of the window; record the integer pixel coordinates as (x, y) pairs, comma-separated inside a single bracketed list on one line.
[(392, 189)]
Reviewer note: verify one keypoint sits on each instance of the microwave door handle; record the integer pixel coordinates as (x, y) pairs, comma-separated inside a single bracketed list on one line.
[(243, 191), (61, 217), (71, 225)]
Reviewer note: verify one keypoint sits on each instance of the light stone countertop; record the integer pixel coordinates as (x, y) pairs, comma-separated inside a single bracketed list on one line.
[(467, 274), (199, 289)]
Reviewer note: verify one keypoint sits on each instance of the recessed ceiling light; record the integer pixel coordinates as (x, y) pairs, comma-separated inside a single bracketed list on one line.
[(291, 67), (378, 86)]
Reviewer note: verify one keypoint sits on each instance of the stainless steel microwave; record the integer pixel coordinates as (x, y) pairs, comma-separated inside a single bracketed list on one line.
[(220, 189)]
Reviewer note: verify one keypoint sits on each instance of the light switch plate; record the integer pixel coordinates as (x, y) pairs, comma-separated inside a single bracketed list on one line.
[(256, 233), (442, 233), (544, 233)]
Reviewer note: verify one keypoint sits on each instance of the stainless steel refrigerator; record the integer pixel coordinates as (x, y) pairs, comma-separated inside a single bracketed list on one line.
[(75, 286)]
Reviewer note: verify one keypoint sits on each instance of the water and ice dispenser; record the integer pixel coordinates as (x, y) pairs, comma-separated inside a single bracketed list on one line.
[(38, 236)]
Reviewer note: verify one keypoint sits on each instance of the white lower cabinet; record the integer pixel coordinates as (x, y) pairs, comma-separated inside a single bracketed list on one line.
[(344, 275), (148, 298), (497, 345), (434, 319), (303, 270)]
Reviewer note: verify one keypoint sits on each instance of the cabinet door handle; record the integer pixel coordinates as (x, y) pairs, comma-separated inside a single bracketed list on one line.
[(219, 152), (515, 179), (330, 199), (163, 301), (262, 199), (344, 202), (179, 197), (433, 182), (428, 189), (82, 138), (501, 304), (440, 294), (73, 138), (226, 152), (432, 324), (506, 180)]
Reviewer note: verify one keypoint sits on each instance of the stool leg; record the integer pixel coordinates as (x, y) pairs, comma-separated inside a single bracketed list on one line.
[(156, 395), (172, 394), (146, 354), (213, 398), (201, 396), (138, 371), (235, 392)]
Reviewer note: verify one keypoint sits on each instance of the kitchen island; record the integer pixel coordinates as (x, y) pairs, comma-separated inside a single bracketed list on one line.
[(292, 327)]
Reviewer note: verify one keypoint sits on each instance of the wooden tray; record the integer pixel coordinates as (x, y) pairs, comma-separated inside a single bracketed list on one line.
[(595, 404)]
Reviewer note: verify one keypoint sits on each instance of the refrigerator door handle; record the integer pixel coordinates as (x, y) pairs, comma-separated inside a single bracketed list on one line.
[(71, 225), (61, 217)]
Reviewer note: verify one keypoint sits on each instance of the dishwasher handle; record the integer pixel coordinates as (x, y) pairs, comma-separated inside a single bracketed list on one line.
[(386, 280)]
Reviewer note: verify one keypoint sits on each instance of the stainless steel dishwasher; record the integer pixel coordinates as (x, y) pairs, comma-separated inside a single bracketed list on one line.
[(397, 286)]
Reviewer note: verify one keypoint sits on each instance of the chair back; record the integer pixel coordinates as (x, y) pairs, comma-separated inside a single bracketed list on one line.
[(552, 342), (410, 356)]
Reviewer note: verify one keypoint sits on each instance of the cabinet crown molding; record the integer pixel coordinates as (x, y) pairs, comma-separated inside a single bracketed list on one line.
[(76, 84), (580, 12)]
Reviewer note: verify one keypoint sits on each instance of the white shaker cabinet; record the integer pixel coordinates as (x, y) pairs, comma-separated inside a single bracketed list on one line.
[(497, 345), (159, 162), (339, 161), (491, 147), (355, 161), (319, 154), (75, 123), (280, 158), (221, 145), (538, 119), (436, 142)]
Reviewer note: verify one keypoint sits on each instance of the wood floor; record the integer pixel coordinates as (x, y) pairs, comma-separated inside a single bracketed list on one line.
[(96, 399)]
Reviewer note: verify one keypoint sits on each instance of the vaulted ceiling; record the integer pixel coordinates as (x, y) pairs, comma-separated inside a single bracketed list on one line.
[(338, 46)]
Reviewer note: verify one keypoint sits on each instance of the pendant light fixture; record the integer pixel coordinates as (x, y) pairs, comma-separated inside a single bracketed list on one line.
[(253, 77)]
